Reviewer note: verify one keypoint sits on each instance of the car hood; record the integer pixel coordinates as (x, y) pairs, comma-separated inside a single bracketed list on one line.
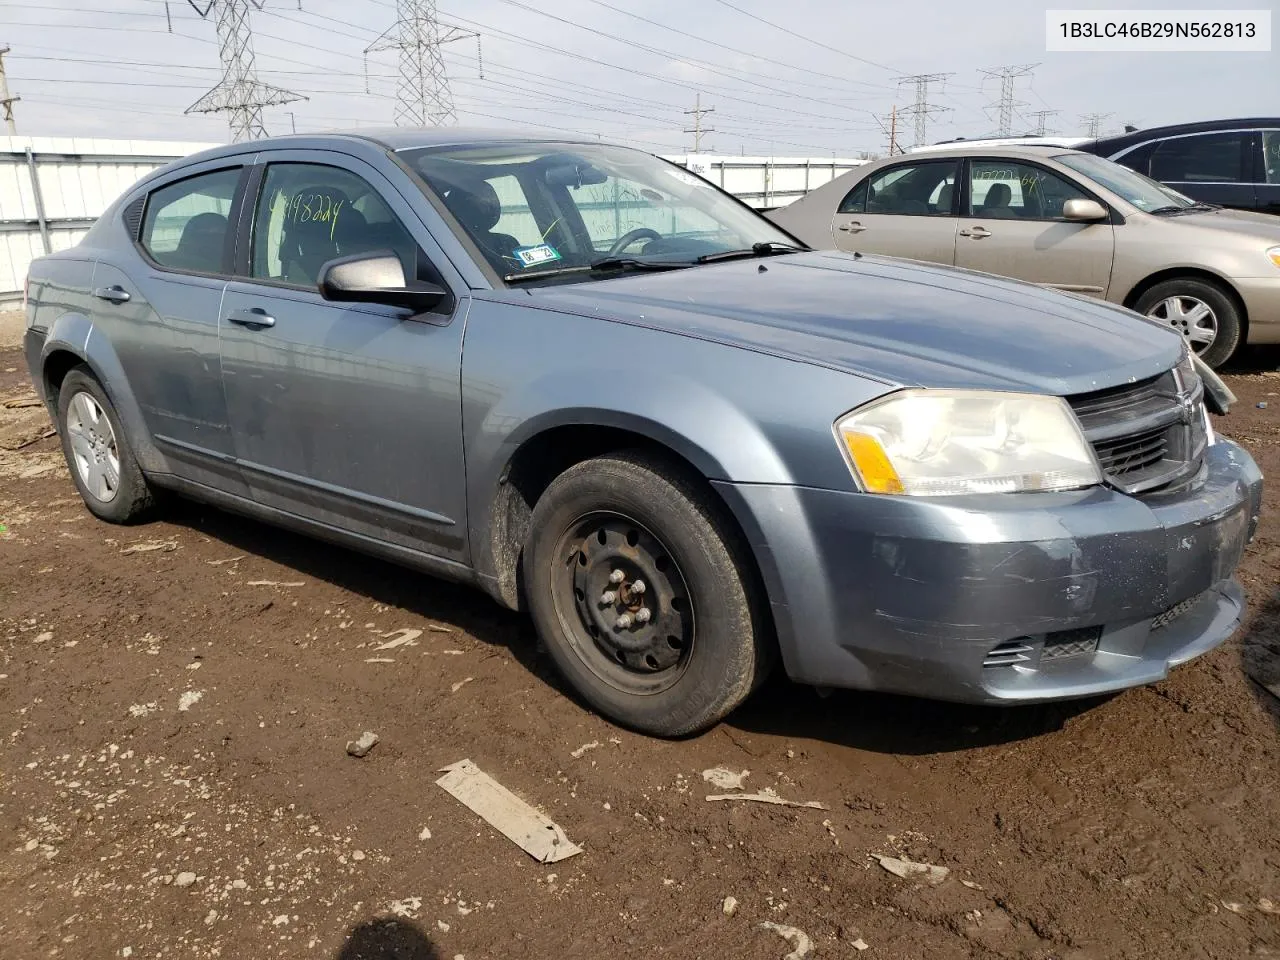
[(888, 319), (1264, 226)]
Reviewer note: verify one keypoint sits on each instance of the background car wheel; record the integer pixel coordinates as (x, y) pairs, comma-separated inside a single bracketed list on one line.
[(98, 454), (1200, 311), (643, 597)]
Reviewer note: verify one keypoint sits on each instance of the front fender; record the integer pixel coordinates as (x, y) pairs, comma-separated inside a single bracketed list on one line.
[(75, 333)]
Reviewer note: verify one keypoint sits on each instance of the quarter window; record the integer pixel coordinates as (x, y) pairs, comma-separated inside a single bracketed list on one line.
[(1205, 158), (308, 214), (187, 223), (915, 190), (1271, 155), (1006, 190), (855, 201)]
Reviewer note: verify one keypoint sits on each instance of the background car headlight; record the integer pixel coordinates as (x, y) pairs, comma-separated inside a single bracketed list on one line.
[(1274, 254), (945, 442)]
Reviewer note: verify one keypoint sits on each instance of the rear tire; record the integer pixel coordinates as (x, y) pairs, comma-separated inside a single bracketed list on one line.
[(1180, 304), (98, 454), (700, 647)]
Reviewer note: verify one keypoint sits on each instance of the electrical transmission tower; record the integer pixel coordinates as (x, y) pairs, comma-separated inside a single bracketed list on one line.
[(1093, 122), (698, 130), (6, 101), (922, 109), (1006, 105), (239, 93), (423, 98), (1040, 117)]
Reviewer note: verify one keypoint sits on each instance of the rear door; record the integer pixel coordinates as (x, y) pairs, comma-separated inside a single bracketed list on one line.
[(1210, 167), (1267, 186), (907, 210), (157, 300), (1013, 226), (347, 414)]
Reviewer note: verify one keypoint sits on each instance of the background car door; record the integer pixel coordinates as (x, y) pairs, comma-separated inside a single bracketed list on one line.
[(1268, 187), (349, 414), (1210, 167), (901, 211), (1013, 226), (158, 301)]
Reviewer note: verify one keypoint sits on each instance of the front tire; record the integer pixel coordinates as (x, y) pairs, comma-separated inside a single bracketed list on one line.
[(642, 593), (98, 455), (1206, 317)]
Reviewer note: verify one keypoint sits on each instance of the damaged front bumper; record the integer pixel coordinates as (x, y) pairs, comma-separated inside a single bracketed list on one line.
[(1003, 598)]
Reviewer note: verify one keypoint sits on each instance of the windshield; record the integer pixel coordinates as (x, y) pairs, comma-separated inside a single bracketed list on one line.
[(1143, 192), (558, 209)]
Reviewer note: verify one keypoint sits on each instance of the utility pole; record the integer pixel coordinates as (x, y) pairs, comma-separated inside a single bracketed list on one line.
[(1041, 116), (922, 109), (1008, 77), (893, 131), (239, 93), (423, 97), (698, 130), (6, 101), (1093, 123)]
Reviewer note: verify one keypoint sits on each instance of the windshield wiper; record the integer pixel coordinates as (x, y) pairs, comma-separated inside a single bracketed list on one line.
[(767, 248), (1161, 211), (603, 264)]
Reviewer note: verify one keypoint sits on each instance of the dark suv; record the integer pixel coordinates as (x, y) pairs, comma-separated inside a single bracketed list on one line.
[(1233, 163)]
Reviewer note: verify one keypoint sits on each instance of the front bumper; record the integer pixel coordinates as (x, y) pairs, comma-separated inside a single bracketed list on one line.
[(1261, 296), (1057, 592)]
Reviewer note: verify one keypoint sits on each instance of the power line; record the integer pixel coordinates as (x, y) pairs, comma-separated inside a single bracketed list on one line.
[(239, 93), (801, 36), (1008, 77), (922, 109), (698, 130)]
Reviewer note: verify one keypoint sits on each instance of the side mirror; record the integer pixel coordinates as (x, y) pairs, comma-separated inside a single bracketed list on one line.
[(377, 278), (1081, 209)]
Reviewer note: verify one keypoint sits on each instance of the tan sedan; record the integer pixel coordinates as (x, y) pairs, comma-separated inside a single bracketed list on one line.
[(1064, 219)]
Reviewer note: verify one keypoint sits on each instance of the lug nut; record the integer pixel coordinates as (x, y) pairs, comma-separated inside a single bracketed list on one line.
[(623, 621), (643, 615), (638, 587), (608, 597), (617, 576)]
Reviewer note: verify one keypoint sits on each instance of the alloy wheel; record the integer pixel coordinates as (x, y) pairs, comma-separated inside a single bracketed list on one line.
[(93, 447)]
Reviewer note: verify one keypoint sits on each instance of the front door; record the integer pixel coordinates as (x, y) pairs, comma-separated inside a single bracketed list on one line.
[(346, 414), (903, 211), (1013, 226)]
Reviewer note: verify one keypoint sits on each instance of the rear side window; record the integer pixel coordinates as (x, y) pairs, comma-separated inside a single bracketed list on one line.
[(187, 223), (1204, 158), (919, 190)]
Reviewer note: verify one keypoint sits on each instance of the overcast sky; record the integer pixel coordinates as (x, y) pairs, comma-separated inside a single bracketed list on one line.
[(111, 68)]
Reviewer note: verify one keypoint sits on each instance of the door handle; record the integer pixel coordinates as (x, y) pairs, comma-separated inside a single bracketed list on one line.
[(114, 294), (852, 226), (977, 233), (252, 317)]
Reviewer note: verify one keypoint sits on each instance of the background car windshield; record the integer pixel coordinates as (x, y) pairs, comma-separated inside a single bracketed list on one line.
[(534, 207), (1143, 192)]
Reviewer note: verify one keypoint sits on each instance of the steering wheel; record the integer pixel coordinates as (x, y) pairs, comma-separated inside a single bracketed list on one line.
[(630, 237)]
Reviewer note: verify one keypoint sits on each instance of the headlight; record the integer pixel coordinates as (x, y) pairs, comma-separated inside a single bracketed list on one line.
[(934, 443), (1274, 254)]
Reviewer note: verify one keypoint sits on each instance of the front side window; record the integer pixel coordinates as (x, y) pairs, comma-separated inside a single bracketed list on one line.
[(1271, 155), (1007, 190), (1204, 158), (308, 214), (187, 223), (539, 209), (914, 190)]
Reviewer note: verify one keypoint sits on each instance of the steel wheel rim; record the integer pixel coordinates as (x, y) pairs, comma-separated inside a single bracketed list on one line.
[(633, 652), (94, 451), (1189, 316)]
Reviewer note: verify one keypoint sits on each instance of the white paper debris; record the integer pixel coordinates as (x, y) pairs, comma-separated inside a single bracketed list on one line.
[(460, 684), (148, 546), (189, 699), (797, 938), (577, 754), (909, 869), (767, 795), (725, 779), (520, 823), (404, 637)]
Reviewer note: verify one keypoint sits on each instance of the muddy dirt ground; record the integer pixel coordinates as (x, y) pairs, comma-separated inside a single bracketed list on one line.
[(176, 700)]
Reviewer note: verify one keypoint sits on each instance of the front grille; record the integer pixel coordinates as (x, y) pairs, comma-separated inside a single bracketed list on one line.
[(1147, 435), (1061, 644), (1174, 612)]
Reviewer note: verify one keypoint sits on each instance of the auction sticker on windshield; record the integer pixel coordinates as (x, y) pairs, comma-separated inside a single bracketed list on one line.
[(537, 254)]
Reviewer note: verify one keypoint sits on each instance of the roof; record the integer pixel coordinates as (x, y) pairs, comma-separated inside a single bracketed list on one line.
[(989, 148), (1002, 141), (1178, 129)]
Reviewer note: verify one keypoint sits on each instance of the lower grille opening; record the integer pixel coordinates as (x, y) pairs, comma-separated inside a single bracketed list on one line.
[(1174, 612), (1061, 644), (1010, 652)]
